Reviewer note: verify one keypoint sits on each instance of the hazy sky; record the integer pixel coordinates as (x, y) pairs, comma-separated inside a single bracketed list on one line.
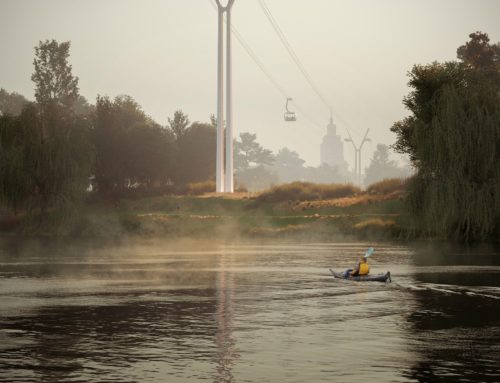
[(163, 53)]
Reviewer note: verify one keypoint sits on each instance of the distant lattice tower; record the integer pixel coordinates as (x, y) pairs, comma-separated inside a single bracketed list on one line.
[(332, 149)]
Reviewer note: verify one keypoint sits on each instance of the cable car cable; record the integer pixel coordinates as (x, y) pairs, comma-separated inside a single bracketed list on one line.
[(261, 66)]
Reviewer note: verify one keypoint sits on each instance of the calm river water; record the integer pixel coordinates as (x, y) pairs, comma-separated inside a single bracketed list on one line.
[(246, 312)]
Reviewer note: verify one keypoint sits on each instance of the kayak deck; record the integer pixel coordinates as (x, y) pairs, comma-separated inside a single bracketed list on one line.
[(365, 278)]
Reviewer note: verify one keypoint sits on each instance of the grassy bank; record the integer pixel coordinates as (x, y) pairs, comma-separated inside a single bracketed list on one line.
[(285, 211)]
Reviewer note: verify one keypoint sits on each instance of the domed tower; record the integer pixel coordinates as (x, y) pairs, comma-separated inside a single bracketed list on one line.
[(332, 149)]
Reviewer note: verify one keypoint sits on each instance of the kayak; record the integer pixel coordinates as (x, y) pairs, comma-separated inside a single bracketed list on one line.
[(365, 278)]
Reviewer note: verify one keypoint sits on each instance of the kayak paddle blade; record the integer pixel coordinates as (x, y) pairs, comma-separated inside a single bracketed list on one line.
[(369, 252)]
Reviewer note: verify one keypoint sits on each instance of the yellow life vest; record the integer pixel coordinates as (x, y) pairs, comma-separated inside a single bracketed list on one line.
[(364, 269)]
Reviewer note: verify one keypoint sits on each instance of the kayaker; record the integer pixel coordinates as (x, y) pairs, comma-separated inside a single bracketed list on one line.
[(362, 268)]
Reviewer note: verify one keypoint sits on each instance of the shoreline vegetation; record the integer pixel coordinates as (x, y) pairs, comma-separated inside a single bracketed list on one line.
[(298, 210), (74, 169)]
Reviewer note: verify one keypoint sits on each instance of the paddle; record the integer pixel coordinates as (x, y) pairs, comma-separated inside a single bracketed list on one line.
[(369, 252)]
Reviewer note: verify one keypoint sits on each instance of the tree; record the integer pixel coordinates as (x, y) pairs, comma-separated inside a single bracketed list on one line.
[(289, 159), (130, 147), (150, 154), (249, 153), (453, 139), (179, 123), (381, 167), (58, 150), (195, 154), (15, 181), (44, 161), (322, 174), (11, 103), (257, 178), (54, 81), (252, 163), (289, 166), (479, 53)]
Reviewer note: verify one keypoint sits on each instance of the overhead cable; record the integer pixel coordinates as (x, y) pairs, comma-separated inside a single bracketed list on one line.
[(264, 70), (291, 52)]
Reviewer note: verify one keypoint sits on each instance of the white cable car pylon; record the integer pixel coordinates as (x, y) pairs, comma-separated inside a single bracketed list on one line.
[(224, 180)]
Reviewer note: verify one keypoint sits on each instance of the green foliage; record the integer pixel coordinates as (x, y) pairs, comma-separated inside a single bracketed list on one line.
[(479, 53), (306, 191), (45, 160), (453, 141), (11, 103), (179, 124), (195, 160), (54, 82), (131, 149), (15, 183)]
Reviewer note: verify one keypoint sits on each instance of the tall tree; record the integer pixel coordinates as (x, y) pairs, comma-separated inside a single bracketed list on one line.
[(179, 123), (453, 139), (59, 150), (53, 78)]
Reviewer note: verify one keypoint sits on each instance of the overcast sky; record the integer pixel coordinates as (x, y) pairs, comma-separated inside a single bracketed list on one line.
[(163, 54)]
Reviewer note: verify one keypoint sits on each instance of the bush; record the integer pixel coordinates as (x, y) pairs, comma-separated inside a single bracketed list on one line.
[(388, 186), (241, 189), (306, 191), (199, 188)]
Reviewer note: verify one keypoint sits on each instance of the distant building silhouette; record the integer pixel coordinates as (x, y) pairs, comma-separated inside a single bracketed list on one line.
[(332, 149)]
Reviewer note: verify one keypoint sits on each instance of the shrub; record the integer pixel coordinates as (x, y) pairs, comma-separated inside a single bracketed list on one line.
[(241, 189), (387, 186), (199, 188), (306, 191)]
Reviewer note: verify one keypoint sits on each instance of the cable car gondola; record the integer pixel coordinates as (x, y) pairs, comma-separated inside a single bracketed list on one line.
[(289, 116)]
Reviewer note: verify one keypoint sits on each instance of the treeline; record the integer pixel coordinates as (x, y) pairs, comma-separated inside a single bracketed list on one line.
[(453, 139), (55, 150)]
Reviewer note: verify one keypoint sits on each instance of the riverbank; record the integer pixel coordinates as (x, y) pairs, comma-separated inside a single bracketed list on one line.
[(362, 215)]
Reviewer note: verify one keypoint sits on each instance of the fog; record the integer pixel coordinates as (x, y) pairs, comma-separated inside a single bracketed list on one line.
[(163, 53)]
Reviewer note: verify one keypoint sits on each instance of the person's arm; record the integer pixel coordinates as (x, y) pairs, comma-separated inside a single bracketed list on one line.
[(356, 270)]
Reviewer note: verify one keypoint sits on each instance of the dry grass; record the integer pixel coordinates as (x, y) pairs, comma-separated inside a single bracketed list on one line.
[(374, 223), (388, 186), (199, 188), (306, 191)]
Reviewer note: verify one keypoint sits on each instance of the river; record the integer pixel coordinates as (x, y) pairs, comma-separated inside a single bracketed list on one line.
[(157, 311)]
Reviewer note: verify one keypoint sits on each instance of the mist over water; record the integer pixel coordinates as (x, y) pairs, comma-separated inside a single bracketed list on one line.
[(149, 311)]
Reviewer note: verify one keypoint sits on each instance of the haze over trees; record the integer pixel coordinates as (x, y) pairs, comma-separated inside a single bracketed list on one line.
[(45, 154), (52, 150), (453, 139), (11, 103), (381, 167)]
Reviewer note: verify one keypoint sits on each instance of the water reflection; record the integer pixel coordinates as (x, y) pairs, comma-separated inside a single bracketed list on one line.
[(245, 312), (455, 326), (226, 344)]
